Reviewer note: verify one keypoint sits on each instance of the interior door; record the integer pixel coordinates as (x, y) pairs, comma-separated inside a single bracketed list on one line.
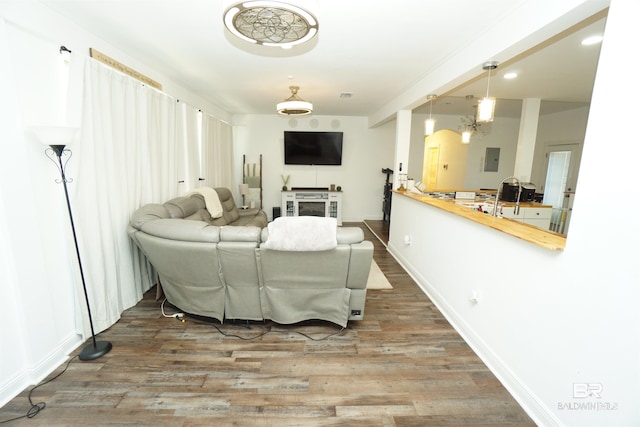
[(431, 178), (561, 174)]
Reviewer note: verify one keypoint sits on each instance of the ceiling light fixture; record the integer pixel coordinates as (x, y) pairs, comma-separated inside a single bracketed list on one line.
[(294, 105), (487, 105), (270, 23), (592, 40), (430, 123), (466, 136), (470, 124)]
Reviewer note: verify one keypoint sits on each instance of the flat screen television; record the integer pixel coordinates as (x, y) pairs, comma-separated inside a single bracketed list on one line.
[(312, 148)]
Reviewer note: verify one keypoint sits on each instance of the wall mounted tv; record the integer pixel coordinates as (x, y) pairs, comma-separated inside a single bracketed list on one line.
[(312, 148)]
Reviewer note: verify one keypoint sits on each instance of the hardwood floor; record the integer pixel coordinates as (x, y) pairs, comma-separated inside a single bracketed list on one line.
[(403, 366)]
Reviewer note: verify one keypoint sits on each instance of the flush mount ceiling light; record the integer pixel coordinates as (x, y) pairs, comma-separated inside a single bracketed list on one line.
[(487, 105), (270, 23), (294, 105)]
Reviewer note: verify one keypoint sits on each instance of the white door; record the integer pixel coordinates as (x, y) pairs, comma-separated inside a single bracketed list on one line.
[(563, 162)]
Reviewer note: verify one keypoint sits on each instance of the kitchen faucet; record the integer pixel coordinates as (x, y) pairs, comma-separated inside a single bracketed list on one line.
[(516, 210)]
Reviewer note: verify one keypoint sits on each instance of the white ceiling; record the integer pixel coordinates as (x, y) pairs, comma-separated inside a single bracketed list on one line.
[(367, 48)]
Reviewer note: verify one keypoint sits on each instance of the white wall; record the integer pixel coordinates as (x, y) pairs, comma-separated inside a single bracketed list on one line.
[(365, 153), (561, 127), (38, 266), (545, 320), (567, 127)]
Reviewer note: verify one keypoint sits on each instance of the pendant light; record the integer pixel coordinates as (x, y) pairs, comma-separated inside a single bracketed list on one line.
[(294, 105), (430, 124), (466, 136), (487, 105)]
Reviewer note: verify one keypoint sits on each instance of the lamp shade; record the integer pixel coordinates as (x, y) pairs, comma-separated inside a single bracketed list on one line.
[(486, 107), (55, 135), (244, 189), (429, 126), (466, 136)]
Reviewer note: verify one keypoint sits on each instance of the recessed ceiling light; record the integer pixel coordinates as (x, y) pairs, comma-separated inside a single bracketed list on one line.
[(510, 75), (592, 40)]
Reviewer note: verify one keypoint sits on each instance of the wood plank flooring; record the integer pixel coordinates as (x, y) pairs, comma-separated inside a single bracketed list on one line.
[(402, 366)]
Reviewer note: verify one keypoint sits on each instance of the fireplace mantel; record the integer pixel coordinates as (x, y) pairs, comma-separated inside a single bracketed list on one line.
[(312, 202)]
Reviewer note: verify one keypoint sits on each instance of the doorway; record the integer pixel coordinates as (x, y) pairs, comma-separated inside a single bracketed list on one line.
[(563, 161)]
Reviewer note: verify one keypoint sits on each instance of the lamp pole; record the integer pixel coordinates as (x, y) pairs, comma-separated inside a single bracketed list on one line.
[(95, 349)]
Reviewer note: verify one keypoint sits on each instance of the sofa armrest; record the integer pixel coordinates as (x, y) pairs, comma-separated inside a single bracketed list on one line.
[(360, 265), (349, 235), (248, 212), (148, 213)]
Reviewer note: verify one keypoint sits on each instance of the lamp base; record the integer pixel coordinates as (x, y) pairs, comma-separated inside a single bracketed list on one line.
[(91, 351)]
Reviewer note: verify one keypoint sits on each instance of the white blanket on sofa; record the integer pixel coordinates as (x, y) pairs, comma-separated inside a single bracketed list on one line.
[(211, 200), (302, 233)]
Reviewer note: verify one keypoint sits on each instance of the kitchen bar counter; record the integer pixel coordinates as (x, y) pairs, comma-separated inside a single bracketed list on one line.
[(546, 239)]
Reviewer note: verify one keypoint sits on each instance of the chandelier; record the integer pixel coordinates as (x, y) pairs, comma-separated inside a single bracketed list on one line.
[(469, 125), (270, 23), (294, 105)]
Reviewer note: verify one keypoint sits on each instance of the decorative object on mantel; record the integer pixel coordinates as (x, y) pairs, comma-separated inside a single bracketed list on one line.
[(487, 105), (294, 105), (339, 188), (57, 137), (270, 23), (285, 181)]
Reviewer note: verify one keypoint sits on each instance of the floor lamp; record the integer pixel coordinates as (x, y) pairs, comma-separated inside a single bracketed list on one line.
[(57, 138)]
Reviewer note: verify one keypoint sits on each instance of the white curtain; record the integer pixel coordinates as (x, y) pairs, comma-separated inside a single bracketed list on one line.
[(217, 153), (127, 158), (189, 151)]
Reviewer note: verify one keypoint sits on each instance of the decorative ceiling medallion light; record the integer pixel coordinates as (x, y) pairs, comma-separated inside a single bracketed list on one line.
[(487, 105), (270, 23), (430, 124), (294, 105)]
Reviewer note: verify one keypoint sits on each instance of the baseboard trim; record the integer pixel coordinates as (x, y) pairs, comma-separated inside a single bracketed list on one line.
[(531, 404), (36, 373)]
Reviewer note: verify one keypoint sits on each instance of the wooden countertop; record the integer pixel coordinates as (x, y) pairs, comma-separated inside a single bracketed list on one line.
[(546, 239)]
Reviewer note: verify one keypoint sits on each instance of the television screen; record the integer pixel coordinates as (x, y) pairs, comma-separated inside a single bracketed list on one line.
[(312, 148)]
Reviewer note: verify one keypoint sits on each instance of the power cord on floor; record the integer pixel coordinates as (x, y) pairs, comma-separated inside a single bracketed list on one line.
[(271, 331), (179, 316), (36, 408)]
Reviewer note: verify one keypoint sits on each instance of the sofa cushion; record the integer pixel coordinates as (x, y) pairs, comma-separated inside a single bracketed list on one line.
[(147, 213), (183, 207), (232, 233), (183, 230)]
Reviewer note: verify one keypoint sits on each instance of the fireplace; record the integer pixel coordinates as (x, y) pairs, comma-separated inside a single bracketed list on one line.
[(311, 208), (313, 202)]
